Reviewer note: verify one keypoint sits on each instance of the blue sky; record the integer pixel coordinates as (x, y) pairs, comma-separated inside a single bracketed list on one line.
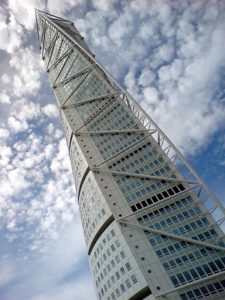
[(168, 54)]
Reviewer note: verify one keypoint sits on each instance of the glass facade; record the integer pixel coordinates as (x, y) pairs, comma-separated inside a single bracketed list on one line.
[(152, 227)]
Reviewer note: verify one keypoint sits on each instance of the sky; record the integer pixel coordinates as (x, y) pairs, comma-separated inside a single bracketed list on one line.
[(168, 54)]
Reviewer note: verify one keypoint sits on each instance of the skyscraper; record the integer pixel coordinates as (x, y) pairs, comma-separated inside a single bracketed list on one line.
[(151, 225)]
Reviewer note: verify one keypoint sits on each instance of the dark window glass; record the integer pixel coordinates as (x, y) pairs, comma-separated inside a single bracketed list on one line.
[(200, 271), (183, 297), (166, 266), (174, 281), (204, 291), (219, 264), (194, 274), (159, 253), (198, 293), (213, 266), (172, 263), (207, 269), (178, 261), (211, 289), (218, 286), (181, 278), (122, 287), (191, 295), (187, 276), (184, 258), (171, 249)]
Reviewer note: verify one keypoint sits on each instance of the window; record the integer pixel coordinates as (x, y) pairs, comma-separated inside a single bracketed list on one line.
[(122, 254), (128, 284), (122, 270), (174, 281), (134, 279), (122, 288), (117, 275), (127, 265)]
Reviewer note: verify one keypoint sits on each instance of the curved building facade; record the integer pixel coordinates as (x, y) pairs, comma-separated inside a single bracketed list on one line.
[(152, 227)]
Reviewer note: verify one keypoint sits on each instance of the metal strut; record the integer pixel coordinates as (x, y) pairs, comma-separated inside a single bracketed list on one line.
[(102, 97), (81, 72), (51, 44), (68, 98), (145, 176), (60, 59), (125, 131), (175, 236)]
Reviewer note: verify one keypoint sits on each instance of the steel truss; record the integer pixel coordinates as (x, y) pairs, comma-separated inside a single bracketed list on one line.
[(205, 195)]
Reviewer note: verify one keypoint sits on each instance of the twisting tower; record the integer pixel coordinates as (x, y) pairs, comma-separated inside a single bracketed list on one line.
[(151, 225)]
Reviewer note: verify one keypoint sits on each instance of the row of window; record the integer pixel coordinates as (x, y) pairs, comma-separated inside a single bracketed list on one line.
[(77, 163), (109, 120), (136, 156), (198, 272), (61, 46), (113, 262), (112, 145), (115, 144), (205, 291), (91, 207), (109, 236), (122, 288), (145, 163), (75, 64), (210, 234), (88, 109), (178, 246), (183, 229), (170, 208), (158, 197), (188, 258), (49, 35), (117, 275), (71, 86), (95, 85)]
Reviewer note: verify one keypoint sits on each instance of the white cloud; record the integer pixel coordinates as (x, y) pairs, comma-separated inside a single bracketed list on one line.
[(51, 111), (16, 125), (5, 79), (4, 133), (24, 11), (151, 95), (59, 7), (4, 98), (6, 154), (10, 32), (28, 71), (159, 44), (22, 111)]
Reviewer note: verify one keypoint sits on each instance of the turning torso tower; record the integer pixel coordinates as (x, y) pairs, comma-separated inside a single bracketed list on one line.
[(151, 226)]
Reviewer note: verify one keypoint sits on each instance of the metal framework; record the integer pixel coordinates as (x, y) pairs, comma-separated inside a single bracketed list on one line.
[(189, 177), (139, 112)]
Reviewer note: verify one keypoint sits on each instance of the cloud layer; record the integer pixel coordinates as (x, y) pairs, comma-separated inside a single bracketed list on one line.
[(168, 54)]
